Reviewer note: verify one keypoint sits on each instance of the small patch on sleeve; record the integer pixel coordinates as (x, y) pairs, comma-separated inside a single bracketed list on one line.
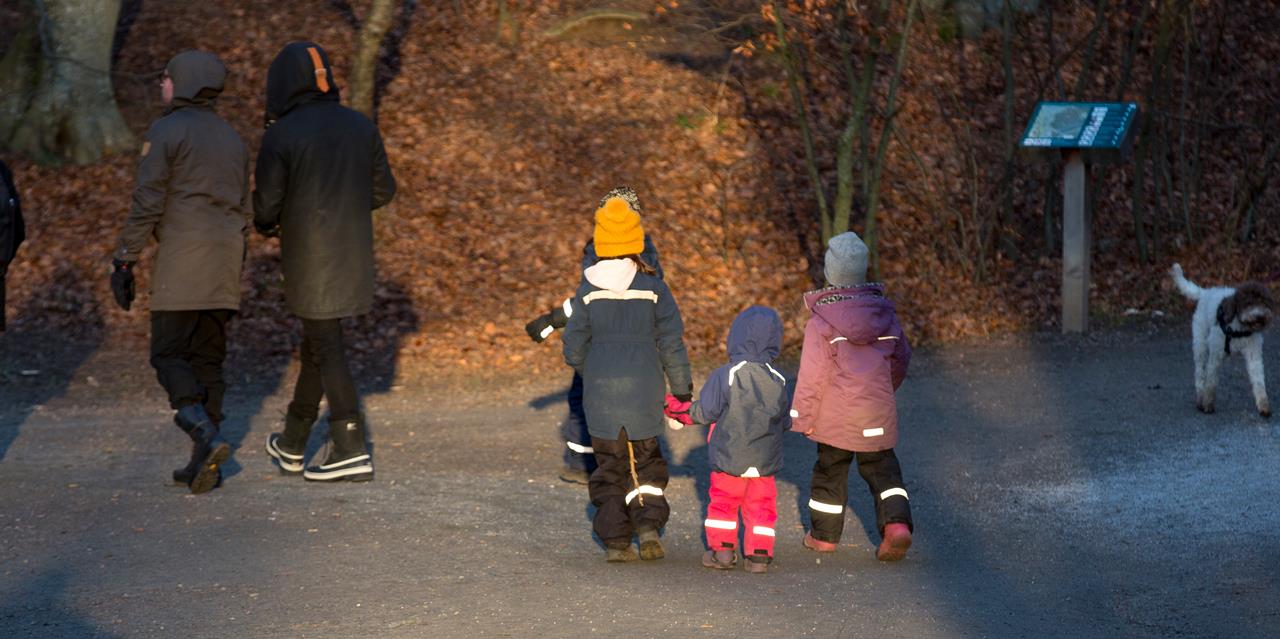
[(146, 148)]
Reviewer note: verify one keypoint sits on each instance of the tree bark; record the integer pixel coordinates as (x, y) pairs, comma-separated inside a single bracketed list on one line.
[(364, 71), (802, 118), (869, 230), (57, 102)]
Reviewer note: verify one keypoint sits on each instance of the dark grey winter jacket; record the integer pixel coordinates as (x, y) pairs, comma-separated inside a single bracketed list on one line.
[(321, 171), (192, 195), (12, 229), (624, 333), (747, 399)]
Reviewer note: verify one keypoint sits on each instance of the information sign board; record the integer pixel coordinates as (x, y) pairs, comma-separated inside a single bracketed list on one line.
[(1079, 125)]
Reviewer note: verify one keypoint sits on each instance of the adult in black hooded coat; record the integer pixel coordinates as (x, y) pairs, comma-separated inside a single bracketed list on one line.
[(12, 231), (321, 171)]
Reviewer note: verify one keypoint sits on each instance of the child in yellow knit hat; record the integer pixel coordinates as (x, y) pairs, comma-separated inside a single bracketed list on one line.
[(625, 333), (579, 459)]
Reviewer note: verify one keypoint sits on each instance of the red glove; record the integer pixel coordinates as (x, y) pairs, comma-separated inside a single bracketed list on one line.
[(677, 411)]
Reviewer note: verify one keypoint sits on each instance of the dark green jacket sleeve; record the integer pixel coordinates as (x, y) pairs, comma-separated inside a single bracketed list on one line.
[(384, 183), (671, 349), (149, 194), (576, 339), (271, 180)]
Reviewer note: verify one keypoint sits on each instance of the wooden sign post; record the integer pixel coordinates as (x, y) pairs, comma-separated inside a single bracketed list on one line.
[(1083, 132)]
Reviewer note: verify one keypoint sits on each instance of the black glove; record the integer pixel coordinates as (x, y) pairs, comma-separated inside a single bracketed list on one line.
[(122, 285), (540, 328), (558, 317), (684, 397)]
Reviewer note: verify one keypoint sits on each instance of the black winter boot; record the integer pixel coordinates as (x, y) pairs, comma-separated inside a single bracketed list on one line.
[(207, 451), (287, 448), (348, 458), (185, 474)]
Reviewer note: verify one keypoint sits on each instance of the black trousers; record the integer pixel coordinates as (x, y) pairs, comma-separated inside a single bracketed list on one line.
[(187, 351), (573, 430), (324, 374), (627, 488), (829, 491)]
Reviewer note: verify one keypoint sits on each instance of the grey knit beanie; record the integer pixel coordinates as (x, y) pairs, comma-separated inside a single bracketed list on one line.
[(846, 260)]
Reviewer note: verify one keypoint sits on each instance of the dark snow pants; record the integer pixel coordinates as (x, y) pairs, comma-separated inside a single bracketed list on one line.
[(828, 492), (324, 373), (187, 351), (578, 453), (627, 488)]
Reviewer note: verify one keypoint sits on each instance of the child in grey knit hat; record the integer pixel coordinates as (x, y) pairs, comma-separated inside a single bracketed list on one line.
[(855, 356)]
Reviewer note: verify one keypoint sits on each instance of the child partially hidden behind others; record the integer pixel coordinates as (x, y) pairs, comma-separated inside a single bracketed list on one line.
[(746, 403)]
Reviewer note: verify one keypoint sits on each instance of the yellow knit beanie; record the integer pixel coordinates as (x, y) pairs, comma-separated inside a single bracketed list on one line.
[(618, 229)]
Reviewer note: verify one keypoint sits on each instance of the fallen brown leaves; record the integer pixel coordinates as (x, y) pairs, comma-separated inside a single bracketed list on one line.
[(502, 153)]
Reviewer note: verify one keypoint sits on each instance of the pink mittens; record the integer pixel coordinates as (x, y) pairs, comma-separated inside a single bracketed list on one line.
[(677, 412)]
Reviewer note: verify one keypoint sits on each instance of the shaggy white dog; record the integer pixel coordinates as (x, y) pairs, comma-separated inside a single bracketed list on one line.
[(1227, 320)]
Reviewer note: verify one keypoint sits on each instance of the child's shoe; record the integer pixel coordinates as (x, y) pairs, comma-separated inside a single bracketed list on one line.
[(575, 475), (720, 559), (897, 539), (819, 546), (758, 564), (620, 555), (650, 547)]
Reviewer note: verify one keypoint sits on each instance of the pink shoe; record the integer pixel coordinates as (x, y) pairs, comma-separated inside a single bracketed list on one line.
[(820, 546), (897, 539)]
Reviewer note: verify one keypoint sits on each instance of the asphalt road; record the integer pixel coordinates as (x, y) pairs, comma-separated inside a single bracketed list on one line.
[(1061, 488)]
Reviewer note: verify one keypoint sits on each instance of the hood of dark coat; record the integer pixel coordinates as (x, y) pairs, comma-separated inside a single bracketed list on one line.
[(650, 255), (755, 336), (299, 74), (860, 314), (198, 77)]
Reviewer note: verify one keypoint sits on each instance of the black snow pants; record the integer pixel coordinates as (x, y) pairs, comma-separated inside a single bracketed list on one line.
[(324, 373), (829, 491), (627, 488), (578, 453), (187, 351)]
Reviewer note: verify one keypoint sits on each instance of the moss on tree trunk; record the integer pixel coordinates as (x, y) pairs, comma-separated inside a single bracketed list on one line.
[(57, 102)]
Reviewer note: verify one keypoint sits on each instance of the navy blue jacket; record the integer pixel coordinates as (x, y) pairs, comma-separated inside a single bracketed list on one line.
[(747, 399), (623, 343)]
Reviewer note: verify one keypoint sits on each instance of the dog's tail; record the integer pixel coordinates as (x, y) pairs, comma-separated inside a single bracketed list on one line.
[(1185, 286)]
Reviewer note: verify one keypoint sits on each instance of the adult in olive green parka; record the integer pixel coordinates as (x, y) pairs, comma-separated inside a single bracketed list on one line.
[(192, 196)]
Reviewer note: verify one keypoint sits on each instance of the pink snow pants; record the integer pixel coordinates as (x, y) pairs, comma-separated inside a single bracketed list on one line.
[(758, 498)]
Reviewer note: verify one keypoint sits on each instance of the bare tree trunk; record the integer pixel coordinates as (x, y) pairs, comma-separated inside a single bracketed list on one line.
[(57, 102), (364, 70), (802, 118), (860, 89), (1006, 216), (1147, 135), (508, 29), (869, 231)]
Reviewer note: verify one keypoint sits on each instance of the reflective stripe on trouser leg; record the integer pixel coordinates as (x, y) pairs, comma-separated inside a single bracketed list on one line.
[(608, 488), (573, 431), (883, 475), (726, 493), (828, 493), (759, 514), (649, 509)]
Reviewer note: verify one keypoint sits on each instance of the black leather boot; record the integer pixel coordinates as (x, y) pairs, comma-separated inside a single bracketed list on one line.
[(185, 474), (287, 448), (207, 451), (348, 457)]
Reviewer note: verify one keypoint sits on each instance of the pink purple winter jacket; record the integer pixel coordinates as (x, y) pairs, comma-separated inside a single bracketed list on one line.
[(855, 356)]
